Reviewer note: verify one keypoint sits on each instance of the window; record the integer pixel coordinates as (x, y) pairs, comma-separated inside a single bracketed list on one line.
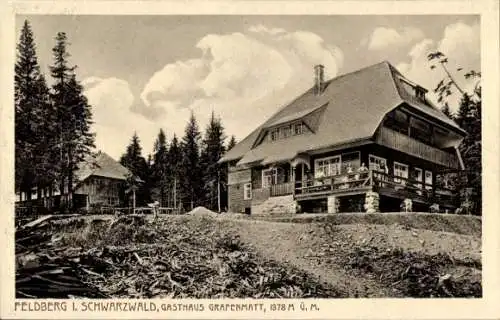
[(377, 163), (274, 134), (327, 167), (247, 191), (420, 130), (400, 170), (420, 93), (417, 176), (428, 180), (397, 121), (269, 177), (112, 201), (400, 117), (286, 131), (350, 160), (298, 128)]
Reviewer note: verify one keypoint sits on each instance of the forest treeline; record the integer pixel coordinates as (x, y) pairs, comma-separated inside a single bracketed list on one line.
[(53, 137)]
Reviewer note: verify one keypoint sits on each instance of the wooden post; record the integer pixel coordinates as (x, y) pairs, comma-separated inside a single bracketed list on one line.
[(133, 200), (175, 193), (218, 191), (410, 121)]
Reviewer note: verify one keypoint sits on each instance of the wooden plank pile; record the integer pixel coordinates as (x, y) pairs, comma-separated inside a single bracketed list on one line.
[(42, 272)]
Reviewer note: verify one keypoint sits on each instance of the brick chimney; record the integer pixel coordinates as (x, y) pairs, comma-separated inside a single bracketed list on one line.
[(319, 78)]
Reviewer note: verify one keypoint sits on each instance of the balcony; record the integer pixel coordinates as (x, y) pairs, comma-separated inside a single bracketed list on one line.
[(404, 143), (362, 182), (281, 189), (343, 184)]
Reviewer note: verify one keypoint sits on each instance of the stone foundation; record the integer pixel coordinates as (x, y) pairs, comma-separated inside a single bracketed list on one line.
[(372, 202), (333, 204), (276, 206)]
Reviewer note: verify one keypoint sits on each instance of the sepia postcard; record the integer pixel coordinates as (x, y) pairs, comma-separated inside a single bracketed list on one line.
[(250, 159)]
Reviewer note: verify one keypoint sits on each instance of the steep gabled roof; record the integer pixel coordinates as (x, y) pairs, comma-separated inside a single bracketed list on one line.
[(355, 104), (101, 165)]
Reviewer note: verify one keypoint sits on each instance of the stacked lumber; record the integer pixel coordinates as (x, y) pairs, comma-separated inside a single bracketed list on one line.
[(41, 272)]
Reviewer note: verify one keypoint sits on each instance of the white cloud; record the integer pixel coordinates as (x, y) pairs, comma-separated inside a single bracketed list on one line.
[(243, 77), (460, 43), (114, 122), (382, 38), (263, 29)]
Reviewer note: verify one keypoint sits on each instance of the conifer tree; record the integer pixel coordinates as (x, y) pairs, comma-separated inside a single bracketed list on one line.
[(133, 160), (191, 173), (447, 112), (231, 143), (34, 119), (160, 167), (74, 118), (213, 173), (469, 118), (174, 159)]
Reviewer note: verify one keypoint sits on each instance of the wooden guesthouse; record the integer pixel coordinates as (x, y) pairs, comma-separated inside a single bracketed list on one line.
[(363, 141), (99, 181)]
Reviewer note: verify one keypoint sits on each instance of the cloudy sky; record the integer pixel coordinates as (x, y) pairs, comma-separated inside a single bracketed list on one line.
[(143, 73)]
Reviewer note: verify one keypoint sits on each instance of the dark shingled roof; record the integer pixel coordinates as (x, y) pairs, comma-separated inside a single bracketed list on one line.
[(101, 165), (355, 104)]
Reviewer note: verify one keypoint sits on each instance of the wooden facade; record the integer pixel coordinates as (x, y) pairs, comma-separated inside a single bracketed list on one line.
[(411, 170), (101, 191)]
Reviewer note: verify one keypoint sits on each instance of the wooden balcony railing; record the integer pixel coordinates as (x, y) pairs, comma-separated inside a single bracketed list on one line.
[(413, 189), (334, 184), (404, 143), (377, 181), (281, 189)]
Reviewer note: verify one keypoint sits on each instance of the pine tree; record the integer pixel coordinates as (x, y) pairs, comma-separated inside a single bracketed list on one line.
[(447, 112), (160, 168), (174, 159), (133, 160), (469, 118), (191, 173), (34, 119), (74, 118), (212, 151), (231, 143)]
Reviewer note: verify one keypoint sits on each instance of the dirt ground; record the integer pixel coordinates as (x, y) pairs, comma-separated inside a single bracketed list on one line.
[(314, 246), (234, 256)]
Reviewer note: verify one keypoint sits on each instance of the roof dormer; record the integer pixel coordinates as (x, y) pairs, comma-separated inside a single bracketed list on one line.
[(420, 92), (413, 89)]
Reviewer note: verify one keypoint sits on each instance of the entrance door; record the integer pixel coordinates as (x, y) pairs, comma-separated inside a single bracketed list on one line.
[(299, 172), (299, 180)]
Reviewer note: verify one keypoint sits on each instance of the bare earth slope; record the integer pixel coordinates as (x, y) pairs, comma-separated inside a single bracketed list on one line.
[(327, 250), (214, 256)]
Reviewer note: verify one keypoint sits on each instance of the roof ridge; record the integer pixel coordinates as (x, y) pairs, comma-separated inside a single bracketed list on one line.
[(328, 82), (358, 70)]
